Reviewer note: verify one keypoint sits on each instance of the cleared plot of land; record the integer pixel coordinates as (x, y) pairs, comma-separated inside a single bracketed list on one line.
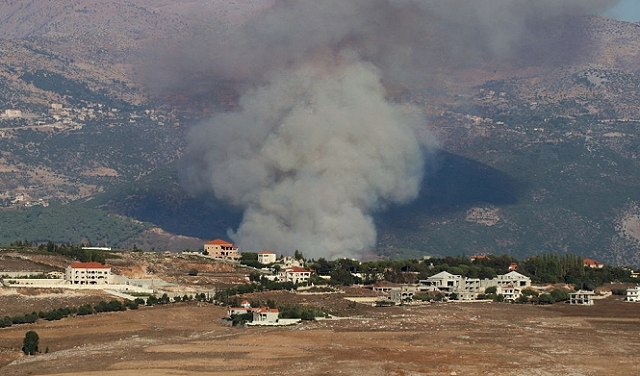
[(438, 339)]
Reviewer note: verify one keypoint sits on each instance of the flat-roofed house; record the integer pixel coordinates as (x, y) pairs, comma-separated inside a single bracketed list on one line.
[(581, 297), (633, 294), (221, 249), (266, 257), (509, 292), (88, 273)]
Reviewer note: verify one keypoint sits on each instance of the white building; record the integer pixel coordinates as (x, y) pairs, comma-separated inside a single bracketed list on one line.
[(633, 294), (444, 282), (510, 285), (265, 314), (294, 274), (288, 262), (266, 257), (514, 279), (88, 273), (11, 114), (509, 292), (581, 297)]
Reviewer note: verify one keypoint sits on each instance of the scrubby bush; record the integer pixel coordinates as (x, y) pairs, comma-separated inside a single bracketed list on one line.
[(85, 309)]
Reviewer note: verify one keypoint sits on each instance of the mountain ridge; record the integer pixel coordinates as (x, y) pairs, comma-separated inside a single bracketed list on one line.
[(534, 158)]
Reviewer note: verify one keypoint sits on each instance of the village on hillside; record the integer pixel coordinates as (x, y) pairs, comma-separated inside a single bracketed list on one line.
[(266, 271)]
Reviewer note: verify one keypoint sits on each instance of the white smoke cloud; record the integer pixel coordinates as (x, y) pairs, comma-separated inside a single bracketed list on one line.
[(315, 147)]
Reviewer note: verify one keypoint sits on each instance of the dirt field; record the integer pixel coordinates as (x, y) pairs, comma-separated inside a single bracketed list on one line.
[(187, 338), (437, 339)]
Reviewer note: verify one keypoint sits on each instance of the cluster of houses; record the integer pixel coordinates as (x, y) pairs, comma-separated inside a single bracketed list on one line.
[(509, 285), (290, 269)]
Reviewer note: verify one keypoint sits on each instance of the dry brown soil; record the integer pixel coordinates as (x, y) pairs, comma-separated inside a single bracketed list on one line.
[(436, 339)]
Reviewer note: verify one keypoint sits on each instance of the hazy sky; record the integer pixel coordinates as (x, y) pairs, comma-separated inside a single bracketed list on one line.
[(627, 10)]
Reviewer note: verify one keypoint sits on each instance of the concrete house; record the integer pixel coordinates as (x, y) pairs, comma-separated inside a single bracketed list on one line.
[(294, 274), (88, 273), (581, 297), (510, 285), (221, 249), (633, 294), (515, 279), (401, 294), (266, 257), (265, 315), (289, 261), (444, 282), (509, 292)]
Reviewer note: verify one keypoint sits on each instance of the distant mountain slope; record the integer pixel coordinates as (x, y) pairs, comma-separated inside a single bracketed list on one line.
[(535, 157)]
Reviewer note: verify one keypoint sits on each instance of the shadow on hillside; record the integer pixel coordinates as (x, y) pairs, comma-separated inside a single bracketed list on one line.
[(454, 183)]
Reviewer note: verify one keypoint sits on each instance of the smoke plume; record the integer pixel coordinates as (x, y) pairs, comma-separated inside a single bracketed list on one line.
[(315, 146)]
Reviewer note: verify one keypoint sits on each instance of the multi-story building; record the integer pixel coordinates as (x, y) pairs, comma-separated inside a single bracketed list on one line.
[(581, 297), (88, 273), (294, 274), (222, 249), (510, 285), (633, 294), (514, 279)]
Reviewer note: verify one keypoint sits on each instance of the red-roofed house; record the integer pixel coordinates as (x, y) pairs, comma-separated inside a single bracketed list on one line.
[(265, 314), (88, 273), (294, 274), (222, 249), (266, 257), (593, 264)]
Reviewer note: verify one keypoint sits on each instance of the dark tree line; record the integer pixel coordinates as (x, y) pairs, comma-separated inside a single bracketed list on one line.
[(543, 268)]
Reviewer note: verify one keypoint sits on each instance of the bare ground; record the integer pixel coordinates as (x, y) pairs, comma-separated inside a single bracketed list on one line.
[(187, 338), (437, 339)]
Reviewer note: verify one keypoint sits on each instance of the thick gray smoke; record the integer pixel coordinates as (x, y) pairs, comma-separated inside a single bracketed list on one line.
[(315, 146), (310, 155)]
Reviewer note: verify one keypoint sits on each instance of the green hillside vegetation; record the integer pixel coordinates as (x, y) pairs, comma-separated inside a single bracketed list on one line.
[(574, 176), (159, 198), (67, 224)]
